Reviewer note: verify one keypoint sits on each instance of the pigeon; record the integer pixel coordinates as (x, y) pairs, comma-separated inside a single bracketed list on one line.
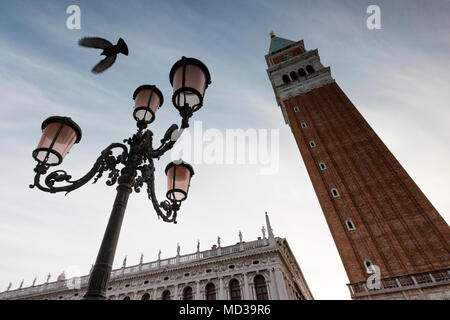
[(109, 50)]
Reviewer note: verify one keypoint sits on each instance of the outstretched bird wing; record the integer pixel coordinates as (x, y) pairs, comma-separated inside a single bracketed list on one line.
[(104, 64), (94, 42)]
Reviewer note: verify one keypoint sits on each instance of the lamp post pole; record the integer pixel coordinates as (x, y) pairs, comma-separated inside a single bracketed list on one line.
[(190, 78), (103, 265)]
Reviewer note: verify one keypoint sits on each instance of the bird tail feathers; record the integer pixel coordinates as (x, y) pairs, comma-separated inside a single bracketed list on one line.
[(123, 48)]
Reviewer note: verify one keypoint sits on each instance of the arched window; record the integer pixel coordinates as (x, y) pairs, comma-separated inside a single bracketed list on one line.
[(146, 296), (301, 72), (293, 75), (310, 69), (235, 290), (187, 293), (285, 78), (127, 298), (261, 288), (210, 291), (165, 295)]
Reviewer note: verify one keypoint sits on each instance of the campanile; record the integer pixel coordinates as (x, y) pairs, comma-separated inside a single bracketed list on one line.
[(377, 215)]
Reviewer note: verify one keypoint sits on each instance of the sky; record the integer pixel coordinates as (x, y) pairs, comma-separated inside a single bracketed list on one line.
[(398, 78)]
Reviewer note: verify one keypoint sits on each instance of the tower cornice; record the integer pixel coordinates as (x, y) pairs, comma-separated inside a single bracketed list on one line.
[(302, 57)]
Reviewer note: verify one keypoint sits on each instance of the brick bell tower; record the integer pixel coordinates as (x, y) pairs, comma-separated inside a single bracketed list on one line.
[(377, 215)]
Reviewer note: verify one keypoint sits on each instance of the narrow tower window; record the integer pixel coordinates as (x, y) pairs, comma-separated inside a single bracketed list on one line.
[(293, 75), (369, 266), (350, 224), (312, 143), (322, 166), (301, 72), (335, 192), (310, 69), (303, 124), (286, 78), (296, 109)]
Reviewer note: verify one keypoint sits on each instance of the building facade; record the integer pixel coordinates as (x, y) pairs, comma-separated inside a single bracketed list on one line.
[(383, 225), (263, 269)]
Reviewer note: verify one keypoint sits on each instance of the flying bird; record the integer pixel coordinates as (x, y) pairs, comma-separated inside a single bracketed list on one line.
[(109, 50)]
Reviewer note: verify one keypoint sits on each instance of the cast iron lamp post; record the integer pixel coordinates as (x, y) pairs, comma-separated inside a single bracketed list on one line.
[(189, 78)]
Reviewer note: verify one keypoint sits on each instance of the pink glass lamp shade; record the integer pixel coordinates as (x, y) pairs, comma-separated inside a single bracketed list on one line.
[(147, 99), (58, 136), (179, 175), (189, 78)]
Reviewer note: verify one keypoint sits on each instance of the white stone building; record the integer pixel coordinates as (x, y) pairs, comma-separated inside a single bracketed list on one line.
[(263, 269)]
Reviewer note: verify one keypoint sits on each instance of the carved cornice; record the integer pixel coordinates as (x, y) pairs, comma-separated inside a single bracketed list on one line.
[(218, 264)]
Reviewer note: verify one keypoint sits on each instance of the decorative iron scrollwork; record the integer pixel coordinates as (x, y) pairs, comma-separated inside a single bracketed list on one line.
[(136, 160)]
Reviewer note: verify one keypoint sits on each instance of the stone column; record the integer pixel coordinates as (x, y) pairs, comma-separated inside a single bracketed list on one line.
[(280, 284), (197, 294), (273, 286), (246, 291), (221, 290), (175, 293), (152, 293)]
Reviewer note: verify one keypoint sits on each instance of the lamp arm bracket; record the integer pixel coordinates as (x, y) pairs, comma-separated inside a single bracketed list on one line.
[(167, 142), (105, 162), (148, 176)]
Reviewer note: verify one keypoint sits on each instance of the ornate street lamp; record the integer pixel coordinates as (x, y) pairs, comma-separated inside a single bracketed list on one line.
[(59, 135), (147, 100), (190, 78), (179, 175)]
